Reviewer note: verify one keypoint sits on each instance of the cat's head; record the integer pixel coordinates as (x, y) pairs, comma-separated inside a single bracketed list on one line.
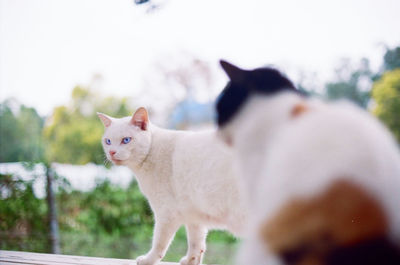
[(126, 140), (233, 110)]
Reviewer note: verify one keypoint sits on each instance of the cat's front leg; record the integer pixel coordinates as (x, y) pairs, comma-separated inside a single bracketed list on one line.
[(164, 231), (196, 237)]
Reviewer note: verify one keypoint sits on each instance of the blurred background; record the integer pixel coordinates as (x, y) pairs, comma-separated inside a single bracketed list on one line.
[(61, 61)]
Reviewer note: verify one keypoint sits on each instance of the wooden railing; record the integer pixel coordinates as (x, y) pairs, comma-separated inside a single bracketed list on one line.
[(25, 258)]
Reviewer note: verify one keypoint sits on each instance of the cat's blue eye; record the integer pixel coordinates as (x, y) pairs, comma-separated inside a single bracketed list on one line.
[(108, 141), (126, 140)]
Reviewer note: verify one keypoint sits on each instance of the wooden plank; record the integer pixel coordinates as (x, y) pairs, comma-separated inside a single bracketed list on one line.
[(47, 259), (31, 258)]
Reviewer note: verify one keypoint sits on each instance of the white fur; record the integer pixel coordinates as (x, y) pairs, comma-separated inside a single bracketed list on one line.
[(187, 179), (282, 157)]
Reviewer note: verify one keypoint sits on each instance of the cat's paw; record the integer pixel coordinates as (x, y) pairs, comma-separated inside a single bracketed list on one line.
[(190, 260), (145, 260)]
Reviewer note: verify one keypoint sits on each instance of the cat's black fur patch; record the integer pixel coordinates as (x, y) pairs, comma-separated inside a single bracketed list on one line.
[(261, 80), (378, 251)]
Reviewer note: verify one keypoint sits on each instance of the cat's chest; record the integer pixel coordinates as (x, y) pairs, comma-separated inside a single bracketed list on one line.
[(155, 187)]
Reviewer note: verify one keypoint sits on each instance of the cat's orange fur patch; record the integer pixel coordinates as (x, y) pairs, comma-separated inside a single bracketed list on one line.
[(298, 109), (342, 216)]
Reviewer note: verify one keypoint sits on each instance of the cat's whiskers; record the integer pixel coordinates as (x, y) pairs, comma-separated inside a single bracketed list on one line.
[(106, 162)]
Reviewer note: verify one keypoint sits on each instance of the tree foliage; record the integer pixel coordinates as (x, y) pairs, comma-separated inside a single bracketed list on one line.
[(139, 2), (23, 219), (351, 83), (391, 59), (73, 132), (107, 209), (386, 94), (20, 133)]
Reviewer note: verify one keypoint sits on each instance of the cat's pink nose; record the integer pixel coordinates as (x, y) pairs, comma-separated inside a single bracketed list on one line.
[(112, 153)]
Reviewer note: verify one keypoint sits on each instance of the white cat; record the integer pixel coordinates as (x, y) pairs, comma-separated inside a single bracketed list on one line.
[(187, 178), (322, 179)]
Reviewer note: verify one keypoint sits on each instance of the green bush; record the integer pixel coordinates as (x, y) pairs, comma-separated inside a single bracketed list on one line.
[(23, 217)]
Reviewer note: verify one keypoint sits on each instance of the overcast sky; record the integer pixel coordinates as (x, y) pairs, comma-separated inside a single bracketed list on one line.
[(49, 46)]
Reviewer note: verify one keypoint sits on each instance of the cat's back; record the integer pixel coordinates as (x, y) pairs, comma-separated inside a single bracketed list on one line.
[(342, 130), (199, 158), (338, 132), (333, 139), (200, 145), (330, 143)]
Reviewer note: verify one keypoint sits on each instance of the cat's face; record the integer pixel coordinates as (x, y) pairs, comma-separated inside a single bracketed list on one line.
[(126, 140), (245, 88)]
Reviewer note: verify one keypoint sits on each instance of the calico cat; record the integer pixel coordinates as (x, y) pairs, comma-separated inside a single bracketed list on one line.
[(322, 179), (187, 178)]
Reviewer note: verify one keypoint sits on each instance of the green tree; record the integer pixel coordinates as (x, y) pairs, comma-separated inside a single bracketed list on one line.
[(386, 94), (73, 133), (391, 59), (20, 133), (352, 84)]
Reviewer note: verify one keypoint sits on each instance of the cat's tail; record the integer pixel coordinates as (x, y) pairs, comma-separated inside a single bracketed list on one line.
[(343, 225)]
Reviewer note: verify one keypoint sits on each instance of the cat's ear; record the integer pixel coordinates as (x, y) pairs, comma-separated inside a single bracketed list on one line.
[(234, 73), (105, 119), (140, 118)]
